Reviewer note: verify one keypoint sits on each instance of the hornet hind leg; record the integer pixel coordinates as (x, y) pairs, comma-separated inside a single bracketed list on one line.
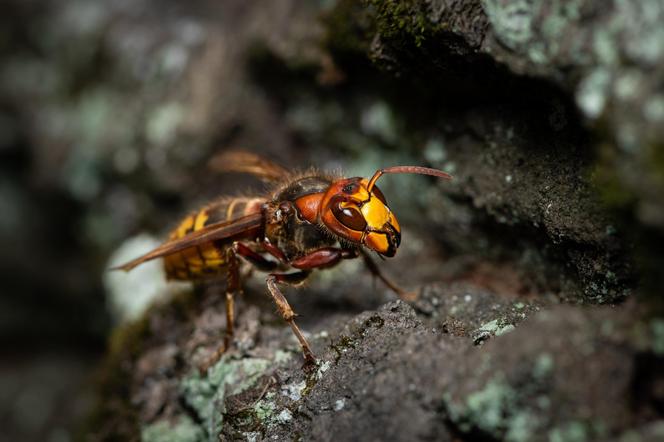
[(232, 288)]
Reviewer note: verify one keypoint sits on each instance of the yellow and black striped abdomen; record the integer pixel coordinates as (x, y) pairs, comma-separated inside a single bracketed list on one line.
[(207, 260)]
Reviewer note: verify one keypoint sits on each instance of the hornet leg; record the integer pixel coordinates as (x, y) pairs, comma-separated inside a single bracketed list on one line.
[(325, 257), (255, 259), (285, 309), (232, 287), (373, 268)]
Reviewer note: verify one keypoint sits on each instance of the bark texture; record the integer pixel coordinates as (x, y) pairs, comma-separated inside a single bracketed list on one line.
[(538, 267)]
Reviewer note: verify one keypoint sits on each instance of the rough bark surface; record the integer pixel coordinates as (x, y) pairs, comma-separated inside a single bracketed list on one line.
[(538, 268)]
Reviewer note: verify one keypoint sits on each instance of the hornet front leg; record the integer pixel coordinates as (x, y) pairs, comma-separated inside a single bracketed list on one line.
[(325, 257), (285, 309), (373, 268)]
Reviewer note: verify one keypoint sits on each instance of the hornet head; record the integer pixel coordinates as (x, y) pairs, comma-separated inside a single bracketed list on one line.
[(356, 210)]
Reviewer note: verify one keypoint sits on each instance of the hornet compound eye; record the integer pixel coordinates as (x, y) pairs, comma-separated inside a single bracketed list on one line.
[(349, 217)]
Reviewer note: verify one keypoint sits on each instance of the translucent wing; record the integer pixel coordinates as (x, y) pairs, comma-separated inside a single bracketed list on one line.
[(213, 232), (247, 162)]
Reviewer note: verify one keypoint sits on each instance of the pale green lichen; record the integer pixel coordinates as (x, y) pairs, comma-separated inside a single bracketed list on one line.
[(265, 409), (281, 356), (642, 27), (654, 108), (591, 95), (512, 21), (561, 16), (494, 409), (251, 436), (518, 27), (496, 327), (294, 391), (229, 376), (284, 416), (487, 407), (322, 368), (627, 84), (267, 413), (503, 410), (570, 432), (579, 431), (183, 430), (613, 53), (163, 124), (434, 151), (605, 48), (505, 329), (379, 119), (233, 375), (543, 366), (522, 427)]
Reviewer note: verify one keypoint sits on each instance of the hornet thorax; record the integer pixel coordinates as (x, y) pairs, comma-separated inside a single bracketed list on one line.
[(287, 228)]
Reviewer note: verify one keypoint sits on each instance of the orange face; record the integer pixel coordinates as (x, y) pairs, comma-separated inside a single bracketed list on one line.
[(356, 215)]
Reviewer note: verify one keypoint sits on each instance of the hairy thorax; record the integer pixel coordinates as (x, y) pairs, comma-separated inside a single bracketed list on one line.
[(286, 228)]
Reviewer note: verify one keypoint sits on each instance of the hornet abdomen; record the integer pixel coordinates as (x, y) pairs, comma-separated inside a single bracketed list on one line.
[(208, 259)]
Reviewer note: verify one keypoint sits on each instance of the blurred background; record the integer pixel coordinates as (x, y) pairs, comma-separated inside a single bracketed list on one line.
[(111, 112)]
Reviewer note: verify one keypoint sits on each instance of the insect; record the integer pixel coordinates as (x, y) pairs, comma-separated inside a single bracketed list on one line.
[(308, 221)]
